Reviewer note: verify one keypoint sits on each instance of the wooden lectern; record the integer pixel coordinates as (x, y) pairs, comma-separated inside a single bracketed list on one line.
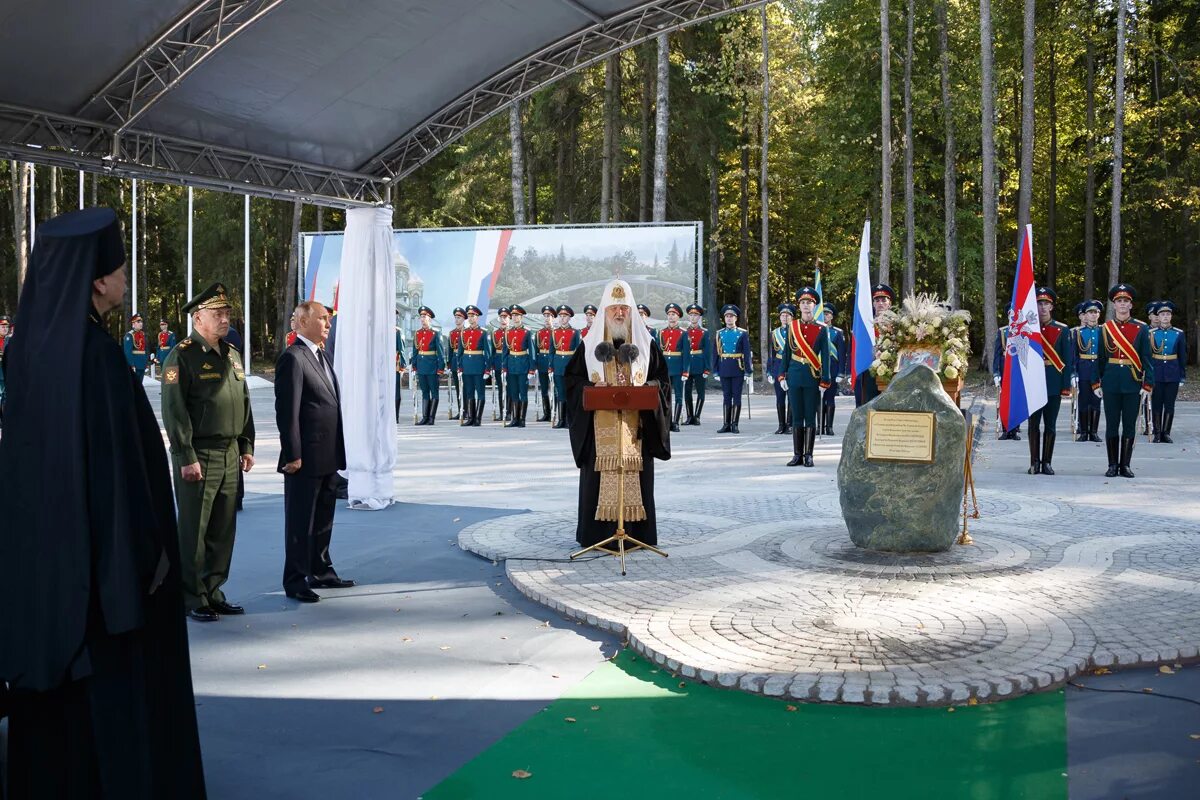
[(621, 399)]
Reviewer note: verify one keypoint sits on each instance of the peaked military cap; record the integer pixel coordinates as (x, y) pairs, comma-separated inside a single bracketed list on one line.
[(673, 307), (1167, 305), (5, 318), (830, 308), (1152, 307), (695, 308), (786, 308), (591, 308), (215, 296), (503, 312), (1046, 293), (134, 317), (806, 293), (1121, 290), (644, 309), (566, 309), (459, 312), (883, 290), (426, 310), (474, 310), (163, 322), (730, 308), (517, 309), (1088, 305), (549, 308)]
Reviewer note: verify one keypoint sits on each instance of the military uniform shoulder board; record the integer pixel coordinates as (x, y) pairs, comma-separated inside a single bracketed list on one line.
[(1177, 330), (185, 344), (743, 330)]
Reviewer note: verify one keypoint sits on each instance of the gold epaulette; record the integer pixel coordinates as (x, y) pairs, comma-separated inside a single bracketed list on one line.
[(185, 344)]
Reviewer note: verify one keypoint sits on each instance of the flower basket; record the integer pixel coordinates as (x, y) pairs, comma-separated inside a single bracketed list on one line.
[(923, 331)]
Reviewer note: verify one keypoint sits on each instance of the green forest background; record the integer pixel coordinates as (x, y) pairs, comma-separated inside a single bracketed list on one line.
[(823, 164)]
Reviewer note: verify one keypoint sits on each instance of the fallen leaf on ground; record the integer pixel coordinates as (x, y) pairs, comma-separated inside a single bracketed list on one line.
[(377, 710), (974, 701), (406, 638), (568, 719), (1165, 670), (262, 666), (595, 708), (1147, 690), (456, 519), (1194, 735), (1102, 671), (444, 647), (950, 710), (791, 708), (522, 774)]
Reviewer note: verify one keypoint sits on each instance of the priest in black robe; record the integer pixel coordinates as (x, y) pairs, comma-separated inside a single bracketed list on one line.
[(617, 349), (93, 645)]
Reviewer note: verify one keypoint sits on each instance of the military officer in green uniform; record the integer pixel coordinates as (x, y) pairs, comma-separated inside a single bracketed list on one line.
[(1123, 374), (206, 411)]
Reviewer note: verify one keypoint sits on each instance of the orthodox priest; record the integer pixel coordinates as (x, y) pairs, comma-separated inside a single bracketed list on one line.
[(92, 640), (617, 350)]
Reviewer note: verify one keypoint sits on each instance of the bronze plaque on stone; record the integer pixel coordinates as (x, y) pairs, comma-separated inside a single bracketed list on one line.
[(905, 436)]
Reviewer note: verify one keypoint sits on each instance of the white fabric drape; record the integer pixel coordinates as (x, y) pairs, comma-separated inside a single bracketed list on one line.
[(365, 356)]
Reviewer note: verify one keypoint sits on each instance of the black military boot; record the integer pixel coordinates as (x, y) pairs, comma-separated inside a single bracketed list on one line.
[(467, 417), (457, 396), (728, 420), (545, 417), (799, 436), (524, 412), (1081, 428), (691, 414), (515, 418), (829, 411), (1157, 423), (1048, 452), (1035, 451), (562, 417), (737, 416), (699, 408), (810, 441), (424, 420), (1112, 445), (433, 407), (675, 419), (1126, 454), (1094, 436), (781, 413), (477, 419), (1015, 434), (787, 417), (1167, 419)]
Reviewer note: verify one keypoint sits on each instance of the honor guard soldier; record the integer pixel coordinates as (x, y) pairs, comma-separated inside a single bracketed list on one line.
[(700, 341), (502, 411), (733, 363), (1168, 353), (838, 362), (544, 343), (460, 317), (474, 362), (1152, 314), (589, 313), (566, 341), (206, 412), (401, 366), (1058, 357), (428, 361), (1086, 344), (137, 354), (865, 387), (998, 372), (5, 329), (644, 311), (673, 341), (166, 341), (1124, 375), (520, 363), (805, 375), (774, 370)]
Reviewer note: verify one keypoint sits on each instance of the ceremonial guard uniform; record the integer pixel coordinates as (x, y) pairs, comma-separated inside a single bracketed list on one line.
[(1058, 356), (806, 370), (502, 411), (865, 387), (166, 341), (838, 362), (137, 353), (700, 341), (474, 362), (775, 371), (733, 363), (1168, 353), (428, 361), (1085, 340), (644, 312), (544, 344), (677, 352), (401, 365), (1123, 375), (460, 316), (589, 313), (520, 359), (566, 341), (206, 412), (998, 374)]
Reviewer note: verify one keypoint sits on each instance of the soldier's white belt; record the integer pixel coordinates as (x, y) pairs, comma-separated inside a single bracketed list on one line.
[(1087, 356), (672, 353), (564, 352), (802, 361), (1170, 357), (427, 352), (1121, 362), (472, 352), (731, 355), (518, 352)]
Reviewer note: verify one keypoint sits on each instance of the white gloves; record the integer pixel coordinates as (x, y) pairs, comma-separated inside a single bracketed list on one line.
[(1074, 381), (1099, 394), (783, 384), (996, 380), (771, 379)]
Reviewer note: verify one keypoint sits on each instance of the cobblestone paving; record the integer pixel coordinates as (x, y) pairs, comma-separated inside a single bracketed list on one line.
[(767, 594)]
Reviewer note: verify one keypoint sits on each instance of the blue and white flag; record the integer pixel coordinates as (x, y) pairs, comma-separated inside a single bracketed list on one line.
[(862, 345)]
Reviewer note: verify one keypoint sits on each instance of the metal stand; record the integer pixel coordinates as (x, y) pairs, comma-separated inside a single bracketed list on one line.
[(968, 491), (625, 543)]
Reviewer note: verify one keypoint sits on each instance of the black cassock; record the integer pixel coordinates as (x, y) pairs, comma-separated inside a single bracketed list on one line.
[(655, 441), (100, 702)]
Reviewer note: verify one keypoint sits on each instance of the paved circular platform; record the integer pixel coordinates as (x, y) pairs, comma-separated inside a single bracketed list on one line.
[(768, 594)]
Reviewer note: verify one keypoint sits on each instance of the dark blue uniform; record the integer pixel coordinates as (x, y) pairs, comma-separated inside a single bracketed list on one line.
[(1125, 371), (137, 349), (566, 342), (544, 342), (474, 362), (775, 370), (428, 360), (1059, 361), (401, 365), (806, 368), (732, 363), (1168, 354), (519, 359), (677, 353), (1085, 343), (700, 341)]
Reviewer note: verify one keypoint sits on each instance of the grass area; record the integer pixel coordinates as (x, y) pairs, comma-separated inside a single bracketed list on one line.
[(632, 730)]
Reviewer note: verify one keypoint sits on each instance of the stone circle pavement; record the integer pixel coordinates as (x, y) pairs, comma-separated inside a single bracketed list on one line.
[(767, 594)]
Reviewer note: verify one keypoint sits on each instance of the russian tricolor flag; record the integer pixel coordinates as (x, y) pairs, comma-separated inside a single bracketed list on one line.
[(1023, 385), (862, 345), (486, 263)]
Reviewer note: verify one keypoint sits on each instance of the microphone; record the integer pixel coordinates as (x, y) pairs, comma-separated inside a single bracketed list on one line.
[(604, 352), (627, 354)]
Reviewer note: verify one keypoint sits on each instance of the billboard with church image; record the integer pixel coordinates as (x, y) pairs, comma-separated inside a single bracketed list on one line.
[(444, 268)]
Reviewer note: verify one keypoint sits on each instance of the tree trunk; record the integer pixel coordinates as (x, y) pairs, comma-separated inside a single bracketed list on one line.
[(320, 219), (1158, 213), (531, 215), (614, 153), (1052, 190), (1025, 190), (910, 240), (1089, 215), (764, 263), (714, 227), (95, 190), (744, 211), (53, 192), (606, 146), (885, 141), (950, 172), (560, 177), (988, 182), (660, 129), (20, 203), (644, 166), (1114, 253), (286, 295), (517, 140)]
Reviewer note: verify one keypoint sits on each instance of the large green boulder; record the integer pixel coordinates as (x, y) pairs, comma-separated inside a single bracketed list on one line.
[(905, 507)]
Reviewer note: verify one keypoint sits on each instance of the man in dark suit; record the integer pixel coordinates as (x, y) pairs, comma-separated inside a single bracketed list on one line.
[(312, 450)]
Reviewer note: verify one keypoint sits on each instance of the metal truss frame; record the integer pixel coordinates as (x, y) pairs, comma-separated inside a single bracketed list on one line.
[(161, 65), (54, 139), (552, 63)]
